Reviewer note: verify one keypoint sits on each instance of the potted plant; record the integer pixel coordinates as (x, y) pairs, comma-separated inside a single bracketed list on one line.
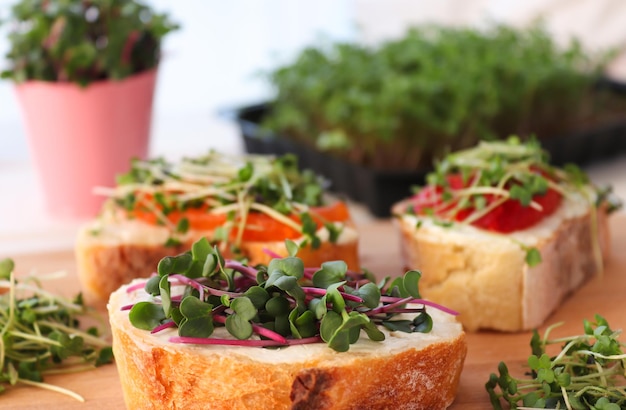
[(84, 74), (391, 110)]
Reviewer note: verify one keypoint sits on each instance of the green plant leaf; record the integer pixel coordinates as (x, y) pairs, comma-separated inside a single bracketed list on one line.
[(201, 326), (411, 283), (329, 325), (175, 264), (6, 267), (289, 266), (258, 296), (277, 306), (243, 307), (292, 247), (329, 274), (192, 307), (370, 293), (166, 301), (146, 315), (238, 326), (423, 323), (533, 257)]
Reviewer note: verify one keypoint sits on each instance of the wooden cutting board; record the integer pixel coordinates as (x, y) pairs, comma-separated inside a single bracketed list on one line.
[(605, 295)]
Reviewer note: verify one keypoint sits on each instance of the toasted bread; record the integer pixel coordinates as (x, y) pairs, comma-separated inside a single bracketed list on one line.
[(111, 254), (485, 276), (247, 205), (405, 371)]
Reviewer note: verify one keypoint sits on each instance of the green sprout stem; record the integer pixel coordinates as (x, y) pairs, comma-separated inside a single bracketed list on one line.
[(39, 334), (54, 388), (589, 368)]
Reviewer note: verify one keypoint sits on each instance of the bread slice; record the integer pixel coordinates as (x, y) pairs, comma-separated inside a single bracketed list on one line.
[(247, 204), (484, 275), (111, 252), (405, 371)]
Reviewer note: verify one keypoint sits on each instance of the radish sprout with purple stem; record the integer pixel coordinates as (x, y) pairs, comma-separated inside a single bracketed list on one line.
[(281, 304)]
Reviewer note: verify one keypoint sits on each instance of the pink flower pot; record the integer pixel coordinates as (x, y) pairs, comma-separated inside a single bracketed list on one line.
[(81, 138)]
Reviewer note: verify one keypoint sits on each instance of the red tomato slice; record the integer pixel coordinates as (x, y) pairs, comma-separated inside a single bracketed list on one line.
[(259, 226), (510, 216)]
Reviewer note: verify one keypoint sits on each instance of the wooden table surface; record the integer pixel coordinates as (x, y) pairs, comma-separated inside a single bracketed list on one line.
[(605, 295)]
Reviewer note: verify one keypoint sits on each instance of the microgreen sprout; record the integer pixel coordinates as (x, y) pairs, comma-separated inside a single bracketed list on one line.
[(40, 334), (281, 304), (589, 372), (224, 190), (490, 184)]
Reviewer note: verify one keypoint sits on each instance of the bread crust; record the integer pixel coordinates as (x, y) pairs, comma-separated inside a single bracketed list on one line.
[(486, 278), (104, 265), (156, 374)]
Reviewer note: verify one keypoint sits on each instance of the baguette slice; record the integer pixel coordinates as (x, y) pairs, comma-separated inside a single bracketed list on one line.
[(111, 253), (484, 276), (250, 203), (405, 371)]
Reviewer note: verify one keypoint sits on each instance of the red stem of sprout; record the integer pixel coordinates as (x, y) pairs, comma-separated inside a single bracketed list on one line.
[(248, 342), (320, 291)]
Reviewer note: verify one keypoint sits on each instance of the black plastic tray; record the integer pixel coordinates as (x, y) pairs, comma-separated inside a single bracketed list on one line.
[(379, 190)]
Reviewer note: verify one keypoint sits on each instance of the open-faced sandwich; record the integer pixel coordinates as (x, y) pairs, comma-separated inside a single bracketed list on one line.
[(212, 333), (246, 205), (502, 236)]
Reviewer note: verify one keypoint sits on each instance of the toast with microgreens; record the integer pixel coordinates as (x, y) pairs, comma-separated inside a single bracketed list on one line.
[(503, 236), (207, 332), (246, 205)]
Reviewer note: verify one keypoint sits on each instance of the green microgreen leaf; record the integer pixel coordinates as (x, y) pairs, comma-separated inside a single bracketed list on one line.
[(423, 323), (290, 266), (411, 283), (238, 324), (105, 356), (152, 285), (277, 306), (166, 301), (302, 325), (225, 300), (576, 378), (373, 332), (175, 264), (309, 230), (6, 267), (258, 296), (182, 226), (244, 307), (238, 327), (523, 195), (533, 257), (246, 172), (146, 315), (201, 249), (277, 301), (197, 318), (397, 289), (334, 231), (370, 293), (69, 346), (330, 273), (192, 307), (292, 247)]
